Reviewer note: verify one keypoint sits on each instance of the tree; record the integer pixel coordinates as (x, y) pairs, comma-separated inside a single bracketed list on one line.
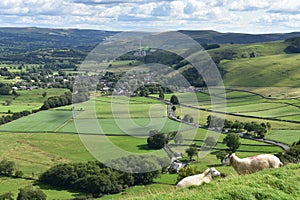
[(232, 141), (209, 141), (161, 94), (7, 196), (191, 151), (221, 155), (28, 193), (5, 89), (45, 106), (157, 141), (7, 168), (174, 100), (14, 92), (178, 139), (214, 122), (44, 94), (188, 118), (19, 174)]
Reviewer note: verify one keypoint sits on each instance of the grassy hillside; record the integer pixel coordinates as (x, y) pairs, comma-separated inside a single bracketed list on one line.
[(265, 71), (282, 183), (270, 67)]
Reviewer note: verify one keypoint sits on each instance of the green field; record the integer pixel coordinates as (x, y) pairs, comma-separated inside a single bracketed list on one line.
[(275, 70), (46, 138), (28, 99), (242, 103), (286, 136), (44, 121)]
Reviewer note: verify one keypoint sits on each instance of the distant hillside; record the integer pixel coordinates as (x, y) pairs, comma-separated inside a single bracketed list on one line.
[(31, 38), (236, 38)]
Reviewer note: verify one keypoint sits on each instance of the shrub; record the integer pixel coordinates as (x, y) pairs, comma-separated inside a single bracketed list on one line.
[(28, 193)]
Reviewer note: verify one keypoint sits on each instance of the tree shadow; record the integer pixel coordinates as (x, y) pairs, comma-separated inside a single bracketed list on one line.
[(215, 165), (73, 192), (143, 147)]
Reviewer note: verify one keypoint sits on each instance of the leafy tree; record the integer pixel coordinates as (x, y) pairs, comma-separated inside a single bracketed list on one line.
[(232, 141), (178, 139), (28, 193), (7, 196), (7, 168), (191, 151), (157, 141), (44, 94), (214, 122), (161, 94), (19, 174), (187, 171), (173, 108), (14, 92), (5, 89), (221, 155), (174, 100), (209, 141), (188, 118)]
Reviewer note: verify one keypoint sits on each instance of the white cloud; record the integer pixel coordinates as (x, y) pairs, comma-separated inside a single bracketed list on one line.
[(222, 15)]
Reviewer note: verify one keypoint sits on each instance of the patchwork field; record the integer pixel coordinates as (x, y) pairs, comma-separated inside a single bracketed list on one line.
[(46, 138), (28, 99), (242, 103)]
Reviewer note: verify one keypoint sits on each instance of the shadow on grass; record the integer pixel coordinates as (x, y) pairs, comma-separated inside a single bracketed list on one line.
[(143, 147), (72, 192)]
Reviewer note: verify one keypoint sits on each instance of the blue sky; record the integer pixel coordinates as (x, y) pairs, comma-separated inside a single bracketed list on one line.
[(247, 16)]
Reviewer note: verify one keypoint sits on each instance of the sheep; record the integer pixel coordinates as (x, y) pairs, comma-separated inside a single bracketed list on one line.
[(252, 164), (199, 179)]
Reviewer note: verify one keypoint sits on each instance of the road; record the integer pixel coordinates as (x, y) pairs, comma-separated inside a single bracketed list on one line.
[(171, 115)]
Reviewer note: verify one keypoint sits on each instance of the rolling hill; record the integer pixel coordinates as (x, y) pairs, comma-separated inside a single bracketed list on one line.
[(32, 38)]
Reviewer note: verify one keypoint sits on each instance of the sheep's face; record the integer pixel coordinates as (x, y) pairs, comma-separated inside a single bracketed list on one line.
[(226, 160), (214, 172)]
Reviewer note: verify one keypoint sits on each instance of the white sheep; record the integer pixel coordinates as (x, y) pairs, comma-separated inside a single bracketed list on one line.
[(252, 164), (199, 179)]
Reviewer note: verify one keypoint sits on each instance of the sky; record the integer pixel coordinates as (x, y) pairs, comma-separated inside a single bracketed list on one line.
[(245, 16)]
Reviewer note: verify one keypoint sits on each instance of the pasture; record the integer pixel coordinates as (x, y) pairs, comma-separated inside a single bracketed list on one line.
[(267, 184), (278, 70), (285, 136), (44, 121), (46, 138), (28, 99), (240, 102)]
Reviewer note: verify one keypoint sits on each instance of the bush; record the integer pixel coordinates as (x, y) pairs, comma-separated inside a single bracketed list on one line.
[(7, 196), (187, 171), (28, 193), (188, 118), (157, 141), (19, 174), (7, 168), (174, 100), (97, 179)]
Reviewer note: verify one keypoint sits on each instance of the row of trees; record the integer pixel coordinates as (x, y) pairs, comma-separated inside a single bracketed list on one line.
[(8, 118), (97, 179), (252, 128), (57, 101), (65, 99)]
